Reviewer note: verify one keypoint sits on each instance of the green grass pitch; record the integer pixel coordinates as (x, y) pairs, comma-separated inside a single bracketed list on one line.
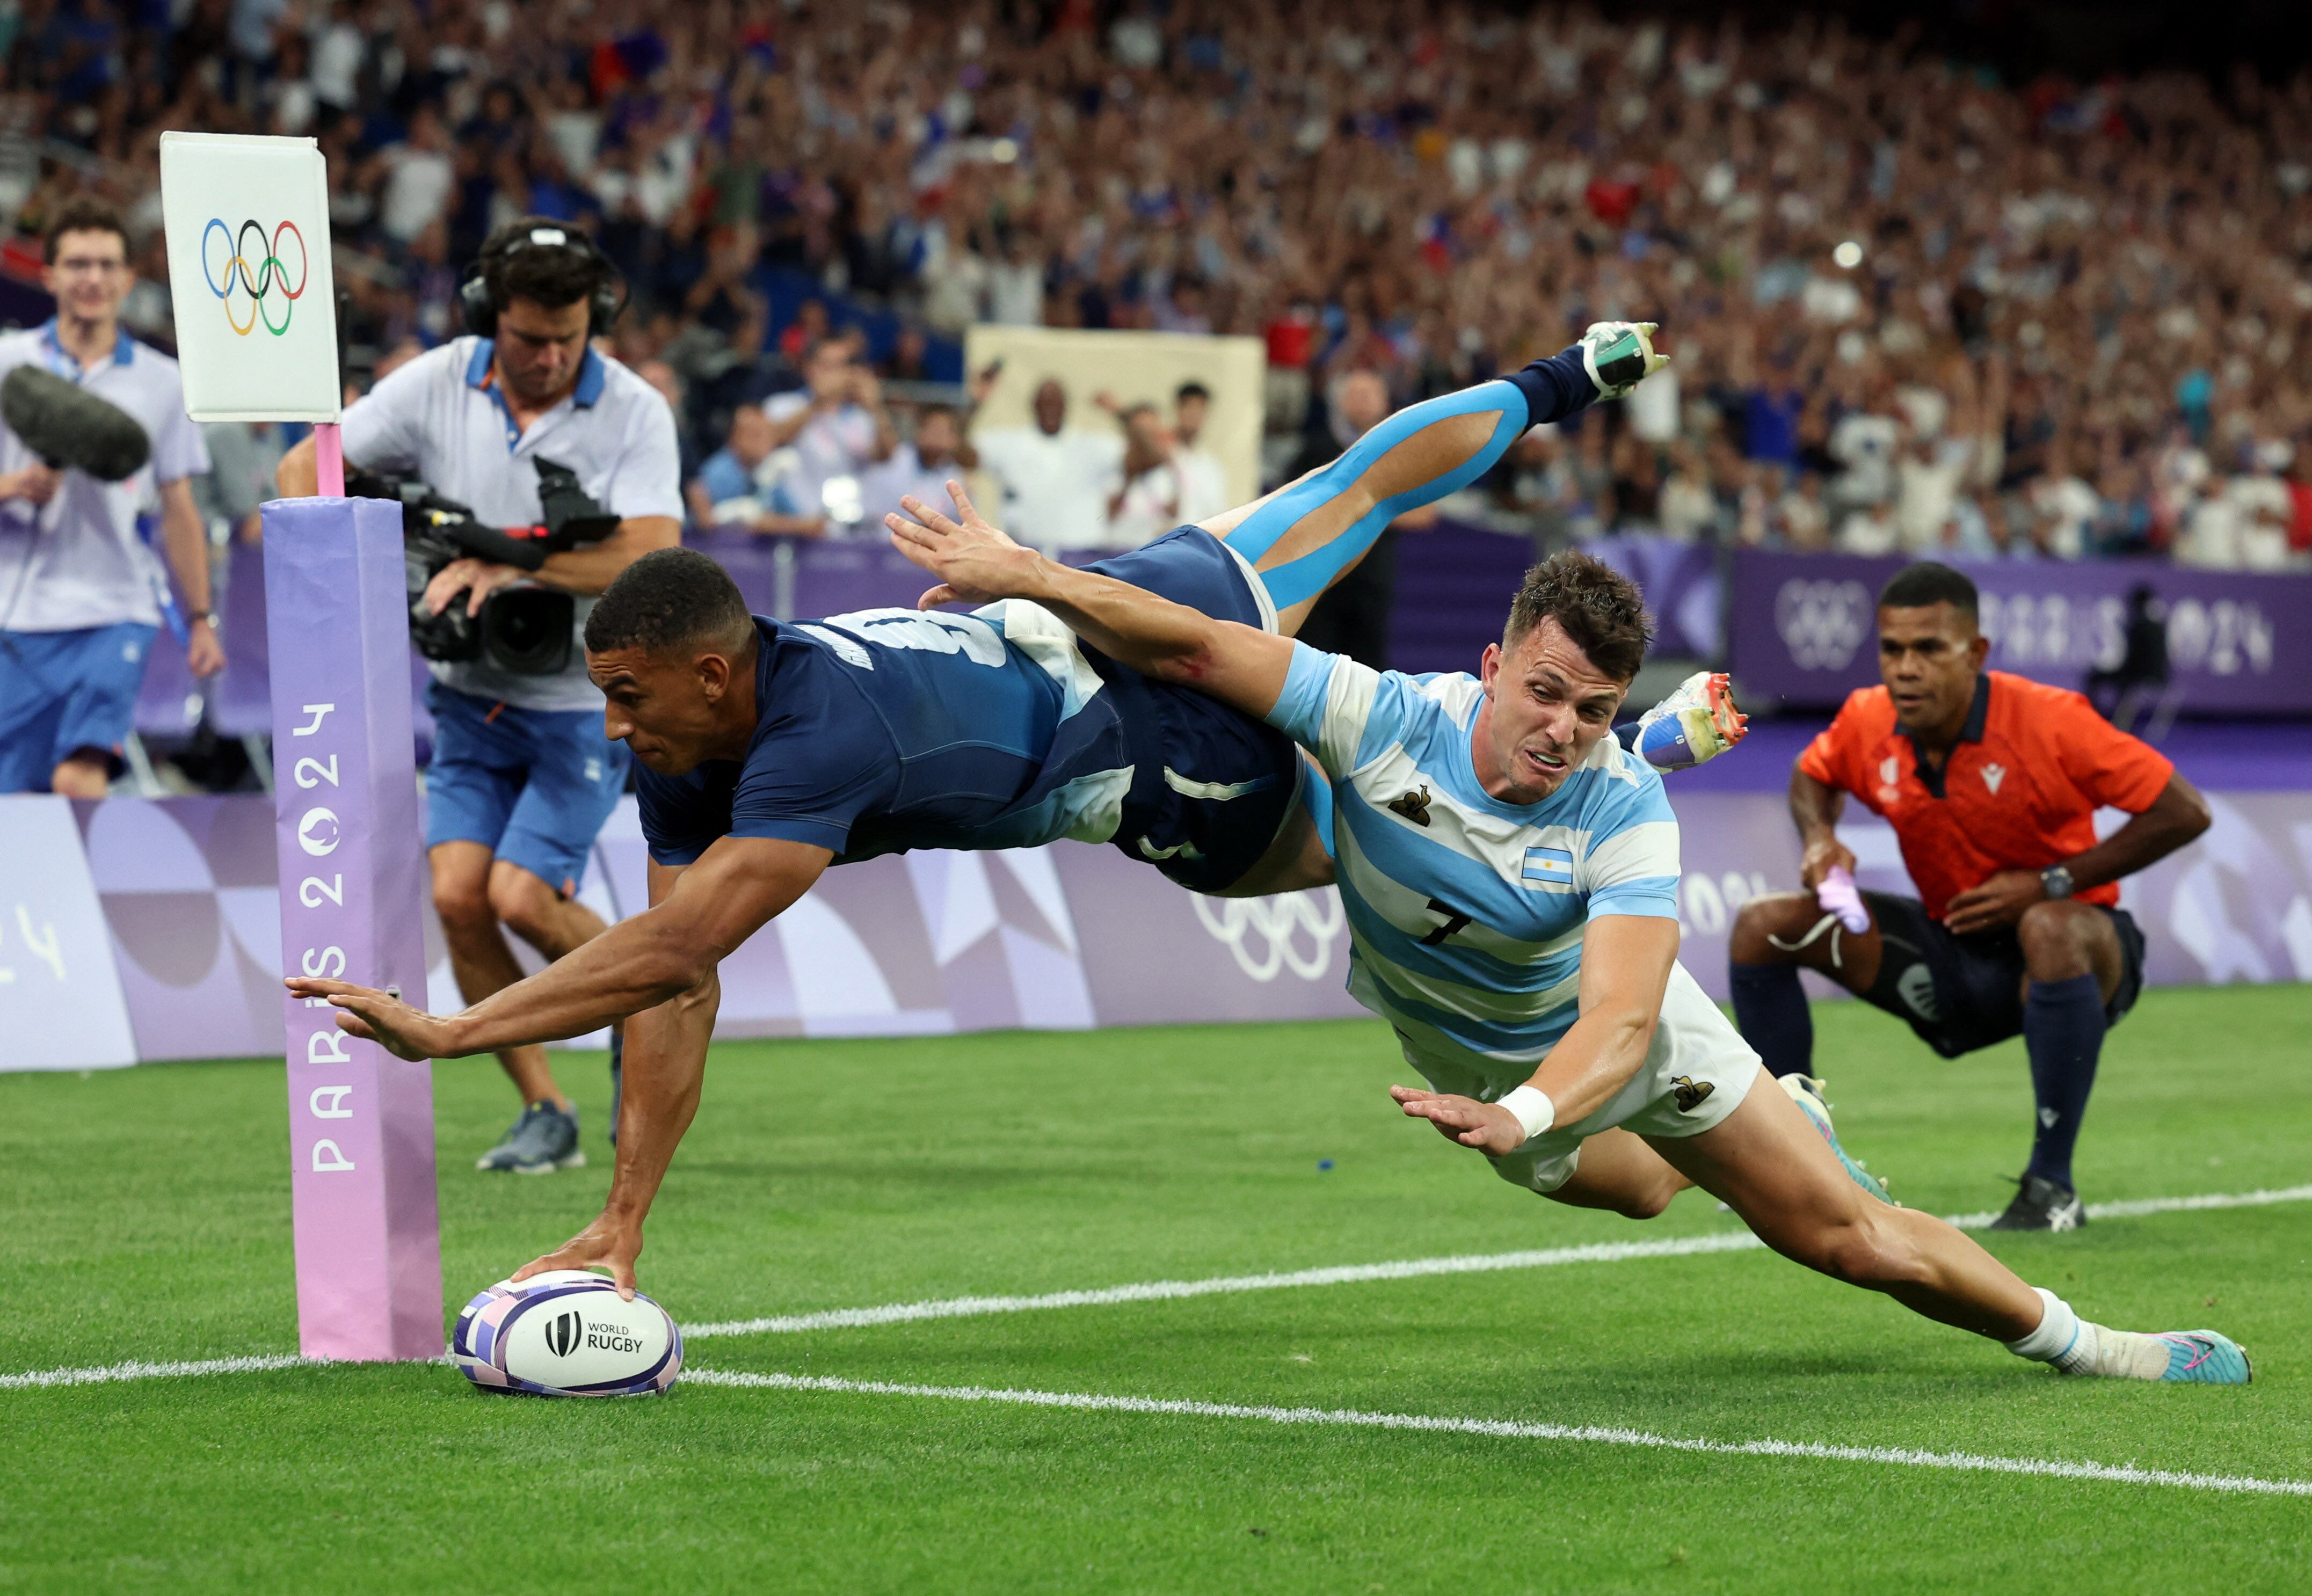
[(148, 1217)]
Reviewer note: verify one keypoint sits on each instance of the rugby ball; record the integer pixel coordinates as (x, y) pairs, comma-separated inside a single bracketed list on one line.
[(566, 1333)]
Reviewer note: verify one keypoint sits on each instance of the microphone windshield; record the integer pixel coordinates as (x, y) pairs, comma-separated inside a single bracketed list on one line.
[(66, 425)]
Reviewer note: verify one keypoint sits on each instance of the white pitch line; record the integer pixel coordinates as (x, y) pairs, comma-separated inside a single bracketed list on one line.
[(137, 1369), (1149, 1291), (964, 1307), (1520, 1430)]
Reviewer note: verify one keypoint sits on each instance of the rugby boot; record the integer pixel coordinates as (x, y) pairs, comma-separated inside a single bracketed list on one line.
[(1806, 1090), (1694, 724), (2041, 1205), (543, 1140), (2192, 1357)]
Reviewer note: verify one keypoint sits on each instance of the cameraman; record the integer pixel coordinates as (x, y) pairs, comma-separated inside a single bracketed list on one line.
[(77, 609), (522, 777)]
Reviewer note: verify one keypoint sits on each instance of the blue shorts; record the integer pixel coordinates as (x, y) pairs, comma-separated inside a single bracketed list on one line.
[(533, 786), (1211, 787), (61, 691)]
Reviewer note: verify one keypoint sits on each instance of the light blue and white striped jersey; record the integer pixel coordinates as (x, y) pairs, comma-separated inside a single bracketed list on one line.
[(1466, 913)]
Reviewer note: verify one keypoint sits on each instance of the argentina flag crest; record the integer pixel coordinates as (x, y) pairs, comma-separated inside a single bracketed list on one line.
[(1550, 869)]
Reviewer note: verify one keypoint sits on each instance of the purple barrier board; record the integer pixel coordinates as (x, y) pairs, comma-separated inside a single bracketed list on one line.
[(61, 1004), (1802, 627), (1064, 938), (361, 1121)]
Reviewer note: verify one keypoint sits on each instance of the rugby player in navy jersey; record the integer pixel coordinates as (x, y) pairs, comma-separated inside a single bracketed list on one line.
[(769, 751)]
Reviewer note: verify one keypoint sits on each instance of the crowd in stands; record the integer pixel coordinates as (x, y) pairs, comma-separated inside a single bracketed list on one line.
[(1912, 306)]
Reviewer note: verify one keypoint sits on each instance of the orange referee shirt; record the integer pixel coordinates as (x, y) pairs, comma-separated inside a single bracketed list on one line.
[(2020, 791)]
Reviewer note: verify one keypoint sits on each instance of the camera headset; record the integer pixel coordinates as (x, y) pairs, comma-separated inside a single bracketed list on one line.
[(478, 297)]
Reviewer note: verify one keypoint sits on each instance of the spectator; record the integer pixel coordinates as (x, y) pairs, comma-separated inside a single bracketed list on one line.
[(1863, 444), (1802, 517), (1869, 529), (1926, 490), (1204, 483), (1056, 482), (1687, 508), (2029, 263), (668, 382), (2062, 508), (2262, 510), (923, 464), (416, 178), (243, 456), (749, 483), (838, 428), (1147, 504)]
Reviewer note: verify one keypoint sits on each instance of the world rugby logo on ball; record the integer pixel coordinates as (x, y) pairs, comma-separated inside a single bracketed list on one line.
[(566, 1333)]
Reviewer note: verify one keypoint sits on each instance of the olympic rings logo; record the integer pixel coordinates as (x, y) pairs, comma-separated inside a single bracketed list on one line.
[(1278, 921), (255, 273)]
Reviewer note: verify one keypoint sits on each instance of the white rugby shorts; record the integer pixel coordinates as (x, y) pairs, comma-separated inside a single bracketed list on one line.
[(1697, 1071)]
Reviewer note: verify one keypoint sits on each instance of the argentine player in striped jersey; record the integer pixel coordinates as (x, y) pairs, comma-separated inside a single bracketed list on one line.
[(1510, 875)]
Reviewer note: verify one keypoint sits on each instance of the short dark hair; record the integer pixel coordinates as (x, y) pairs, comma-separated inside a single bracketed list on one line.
[(1914, 587), (545, 275), (1191, 390), (1597, 606), (83, 213), (666, 600), (923, 413)]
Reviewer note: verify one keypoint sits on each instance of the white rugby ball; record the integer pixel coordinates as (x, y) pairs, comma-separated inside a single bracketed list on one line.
[(566, 1333)]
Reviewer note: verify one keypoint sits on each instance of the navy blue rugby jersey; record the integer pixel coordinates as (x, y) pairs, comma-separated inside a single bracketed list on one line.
[(895, 728)]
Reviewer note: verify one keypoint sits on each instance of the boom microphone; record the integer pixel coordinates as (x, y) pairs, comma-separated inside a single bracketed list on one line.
[(66, 425)]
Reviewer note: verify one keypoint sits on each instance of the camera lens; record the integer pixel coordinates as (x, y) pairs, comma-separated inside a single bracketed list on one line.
[(526, 630)]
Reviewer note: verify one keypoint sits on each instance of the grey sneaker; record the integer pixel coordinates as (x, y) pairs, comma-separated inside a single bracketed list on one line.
[(543, 1140)]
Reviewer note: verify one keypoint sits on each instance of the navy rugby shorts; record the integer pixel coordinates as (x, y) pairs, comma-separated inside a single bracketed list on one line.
[(1211, 787)]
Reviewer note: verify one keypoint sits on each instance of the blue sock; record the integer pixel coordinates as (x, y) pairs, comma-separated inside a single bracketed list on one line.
[(1546, 390), (1770, 1010), (2062, 1029)]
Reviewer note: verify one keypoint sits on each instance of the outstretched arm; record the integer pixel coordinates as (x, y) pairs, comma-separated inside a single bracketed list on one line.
[(1243, 667), (665, 1067), (737, 885), (1626, 964)]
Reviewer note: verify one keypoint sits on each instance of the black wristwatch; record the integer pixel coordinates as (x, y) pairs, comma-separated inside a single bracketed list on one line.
[(2056, 881)]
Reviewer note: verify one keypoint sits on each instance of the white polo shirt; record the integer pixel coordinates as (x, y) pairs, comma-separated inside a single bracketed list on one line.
[(1204, 485), (76, 562), (441, 419), (838, 442), (1056, 486)]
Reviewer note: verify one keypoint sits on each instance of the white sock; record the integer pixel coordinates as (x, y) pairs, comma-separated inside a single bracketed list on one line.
[(2063, 1339), (2076, 1346)]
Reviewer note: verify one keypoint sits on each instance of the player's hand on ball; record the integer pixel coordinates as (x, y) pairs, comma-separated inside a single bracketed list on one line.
[(381, 1017), (607, 1244), (974, 560), (1619, 355), (1490, 1128)]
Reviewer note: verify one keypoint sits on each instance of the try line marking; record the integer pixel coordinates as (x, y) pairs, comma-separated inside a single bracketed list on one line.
[(1150, 1291), (1522, 1430)]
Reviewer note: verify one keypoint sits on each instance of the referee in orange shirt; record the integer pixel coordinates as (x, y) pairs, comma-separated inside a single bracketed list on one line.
[(1990, 783)]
